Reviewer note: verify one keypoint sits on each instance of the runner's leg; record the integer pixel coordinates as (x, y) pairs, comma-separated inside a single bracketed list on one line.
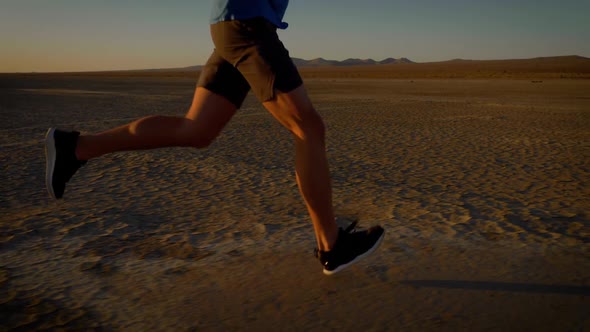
[(253, 47), (294, 110), (207, 116)]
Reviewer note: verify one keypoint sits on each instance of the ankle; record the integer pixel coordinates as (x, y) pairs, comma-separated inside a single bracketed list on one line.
[(328, 240), (78, 151)]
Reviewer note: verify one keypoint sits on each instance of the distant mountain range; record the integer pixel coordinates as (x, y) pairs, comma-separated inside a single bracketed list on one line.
[(317, 62)]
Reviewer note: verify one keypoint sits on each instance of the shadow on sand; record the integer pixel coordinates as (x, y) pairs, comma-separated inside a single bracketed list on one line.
[(501, 286)]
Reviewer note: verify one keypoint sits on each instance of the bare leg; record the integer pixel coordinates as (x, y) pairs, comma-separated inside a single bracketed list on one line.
[(295, 111), (208, 114)]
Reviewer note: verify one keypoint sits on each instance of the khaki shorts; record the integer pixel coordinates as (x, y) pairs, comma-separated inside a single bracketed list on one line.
[(248, 54)]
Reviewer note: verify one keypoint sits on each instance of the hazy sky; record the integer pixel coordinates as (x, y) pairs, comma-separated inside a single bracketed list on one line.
[(73, 35)]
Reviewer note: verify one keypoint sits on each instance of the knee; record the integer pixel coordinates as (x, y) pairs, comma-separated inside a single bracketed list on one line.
[(200, 141), (198, 138), (309, 126)]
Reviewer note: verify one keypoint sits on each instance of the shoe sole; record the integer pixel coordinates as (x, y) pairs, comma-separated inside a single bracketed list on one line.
[(358, 258), (50, 155)]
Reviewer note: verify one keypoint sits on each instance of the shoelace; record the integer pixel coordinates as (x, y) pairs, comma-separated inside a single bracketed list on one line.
[(349, 229), (352, 227)]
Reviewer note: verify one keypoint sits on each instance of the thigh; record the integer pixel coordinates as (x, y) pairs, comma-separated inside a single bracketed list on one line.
[(210, 112), (295, 111)]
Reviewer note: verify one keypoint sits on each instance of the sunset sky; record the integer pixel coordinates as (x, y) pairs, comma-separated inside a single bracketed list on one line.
[(80, 35)]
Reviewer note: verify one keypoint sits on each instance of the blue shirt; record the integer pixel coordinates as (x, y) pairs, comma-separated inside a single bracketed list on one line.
[(272, 10)]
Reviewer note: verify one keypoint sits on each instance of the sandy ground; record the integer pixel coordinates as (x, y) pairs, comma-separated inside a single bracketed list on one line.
[(483, 187)]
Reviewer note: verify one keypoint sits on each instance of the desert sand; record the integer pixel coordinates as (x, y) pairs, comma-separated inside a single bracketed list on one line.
[(483, 187)]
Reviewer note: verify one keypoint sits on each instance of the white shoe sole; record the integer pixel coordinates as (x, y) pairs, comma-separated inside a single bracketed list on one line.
[(358, 258), (50, 155)]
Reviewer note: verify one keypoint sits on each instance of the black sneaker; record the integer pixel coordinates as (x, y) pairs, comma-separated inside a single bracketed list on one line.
[(351, 246), (60, 151)]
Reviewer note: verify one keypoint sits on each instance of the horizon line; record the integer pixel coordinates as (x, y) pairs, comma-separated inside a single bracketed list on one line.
[(365, 59)]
